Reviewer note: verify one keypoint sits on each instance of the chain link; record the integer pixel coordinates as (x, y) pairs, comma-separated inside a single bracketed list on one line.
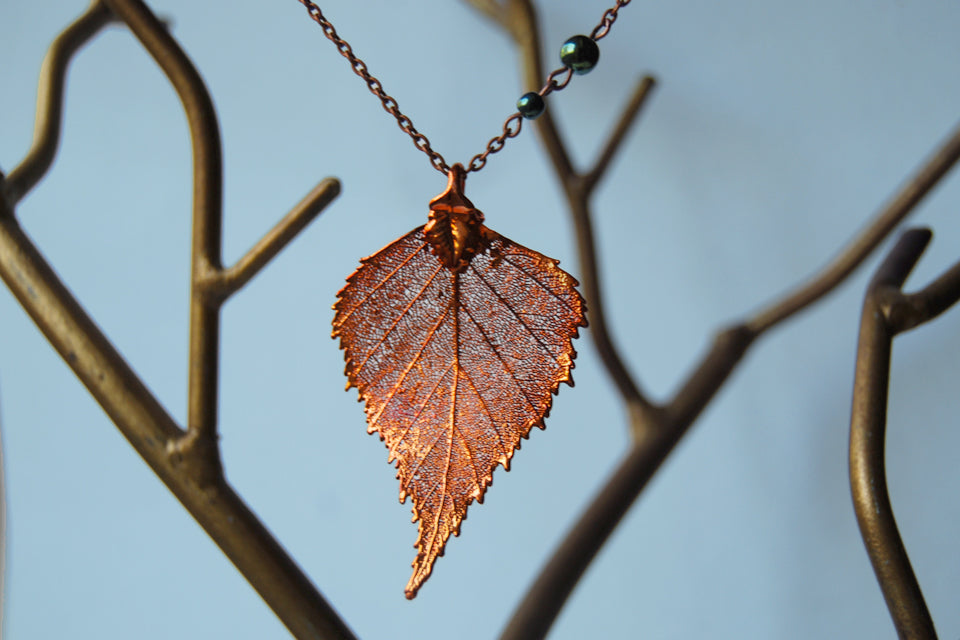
[(511, 129), (609, 17), (359, 67), (556, 81)]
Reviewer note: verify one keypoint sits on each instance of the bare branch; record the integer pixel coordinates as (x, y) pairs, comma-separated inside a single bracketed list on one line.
[(53, 73), (207, 213), (896, 267), (226, 282), (187, 462), (861, 246), (593, 294), (867, 443), (637, 100), (928, 303)]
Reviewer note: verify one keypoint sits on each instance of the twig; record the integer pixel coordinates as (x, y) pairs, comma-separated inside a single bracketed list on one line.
[(886, 312), (861, 246), (53, 73), (227, 281), (637, 100), (907, 311), (188, 462), (207, 220)]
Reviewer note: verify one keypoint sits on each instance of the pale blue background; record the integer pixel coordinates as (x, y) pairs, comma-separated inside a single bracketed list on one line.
[(777, 128)]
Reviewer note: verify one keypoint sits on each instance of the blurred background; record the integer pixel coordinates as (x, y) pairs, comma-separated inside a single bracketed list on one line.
[(776, 129)]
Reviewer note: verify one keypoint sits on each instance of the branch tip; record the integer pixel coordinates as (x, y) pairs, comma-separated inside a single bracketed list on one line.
[(868, 421), (232, 279), (53, 75), (901, 260), (903, 202), (906, 311), (638, 99)]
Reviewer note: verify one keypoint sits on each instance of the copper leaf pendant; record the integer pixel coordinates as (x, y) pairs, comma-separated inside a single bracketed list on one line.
[(456, 338)]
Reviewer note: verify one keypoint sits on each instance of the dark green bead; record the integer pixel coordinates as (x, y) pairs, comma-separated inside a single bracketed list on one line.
[(530, 105), (580, 53)]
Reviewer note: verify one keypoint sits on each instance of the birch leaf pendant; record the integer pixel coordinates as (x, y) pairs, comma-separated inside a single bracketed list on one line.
[(457, 339)]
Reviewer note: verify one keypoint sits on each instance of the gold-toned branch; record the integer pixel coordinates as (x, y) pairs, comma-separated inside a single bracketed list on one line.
[(53, 73), (868, 484), (207, 218), (186, 461), (861, 246), (229, 280), (907, 311), (150, 430), (629, 116)]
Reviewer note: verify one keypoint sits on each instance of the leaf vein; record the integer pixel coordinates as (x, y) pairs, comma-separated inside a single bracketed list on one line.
[(543, 286), (401, 315), (516, 314), (396, 385), (500, 358), (413, 472), (380, 284), (503, 446)]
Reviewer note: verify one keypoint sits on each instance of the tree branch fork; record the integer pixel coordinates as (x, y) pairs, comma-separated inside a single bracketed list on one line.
[(186, 459), (887, 312)]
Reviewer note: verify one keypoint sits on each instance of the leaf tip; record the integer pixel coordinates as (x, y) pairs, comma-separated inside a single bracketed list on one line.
[(422, 568)]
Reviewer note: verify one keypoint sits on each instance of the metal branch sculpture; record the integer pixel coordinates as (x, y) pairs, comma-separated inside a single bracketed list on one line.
[(187, 458), (658, 428), (887, 311)]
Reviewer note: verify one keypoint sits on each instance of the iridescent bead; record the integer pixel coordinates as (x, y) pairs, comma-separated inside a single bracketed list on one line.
[(530, 105), (580, 53)]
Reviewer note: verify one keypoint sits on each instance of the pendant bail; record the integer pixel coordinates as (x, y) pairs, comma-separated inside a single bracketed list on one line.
[(455, 230)]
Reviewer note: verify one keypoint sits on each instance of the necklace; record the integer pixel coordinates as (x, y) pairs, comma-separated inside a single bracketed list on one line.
[(456, 337)]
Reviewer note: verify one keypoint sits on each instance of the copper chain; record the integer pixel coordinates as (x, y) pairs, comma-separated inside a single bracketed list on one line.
[(556, 81)]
